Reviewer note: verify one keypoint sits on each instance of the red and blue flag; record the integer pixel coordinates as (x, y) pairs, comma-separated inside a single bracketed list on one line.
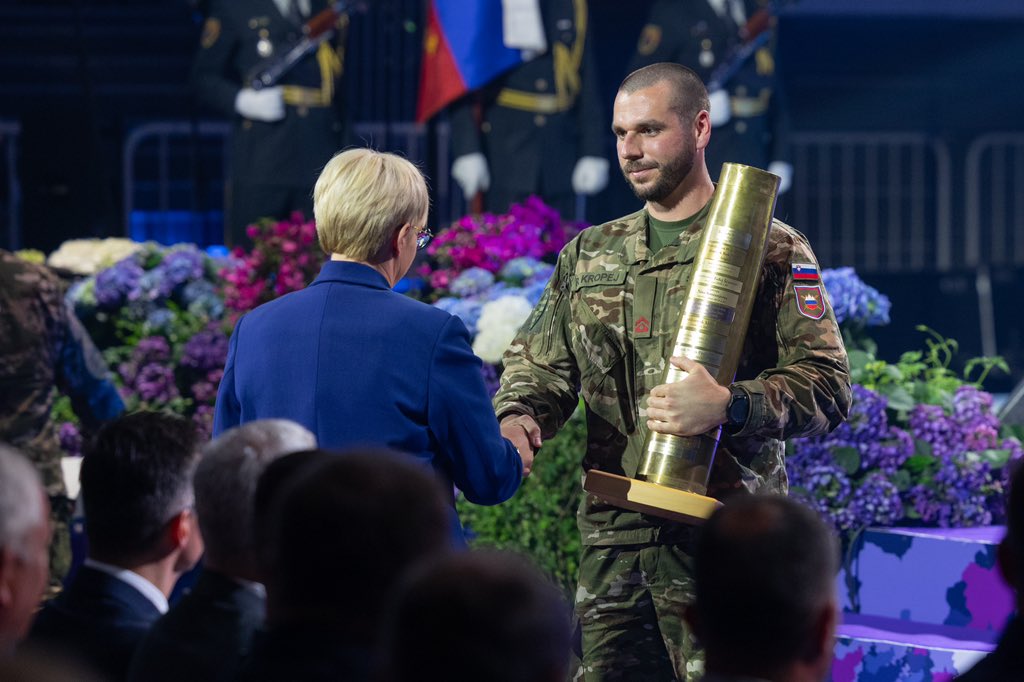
[(805, 271), (463, 49)]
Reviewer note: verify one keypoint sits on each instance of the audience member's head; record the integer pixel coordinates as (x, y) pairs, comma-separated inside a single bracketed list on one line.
[(342, 530), (477, 616), (137, 493), (225, 487), (24, 545), (1011, 549), (765, 601), (271, 482)]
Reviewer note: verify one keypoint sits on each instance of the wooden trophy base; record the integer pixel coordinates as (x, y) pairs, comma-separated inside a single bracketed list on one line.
[(650, 498)]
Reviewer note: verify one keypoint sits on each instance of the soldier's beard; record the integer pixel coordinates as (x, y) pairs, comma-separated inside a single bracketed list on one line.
[(670, 175)]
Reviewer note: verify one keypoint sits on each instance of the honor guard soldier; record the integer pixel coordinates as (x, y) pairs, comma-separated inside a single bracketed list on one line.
[(541, 128), (746, 112), (282, 134)]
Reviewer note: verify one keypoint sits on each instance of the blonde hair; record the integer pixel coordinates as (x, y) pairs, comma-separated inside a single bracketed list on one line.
[(361, 197)]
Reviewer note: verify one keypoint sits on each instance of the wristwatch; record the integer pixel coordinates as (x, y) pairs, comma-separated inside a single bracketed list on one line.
[(737, 411)]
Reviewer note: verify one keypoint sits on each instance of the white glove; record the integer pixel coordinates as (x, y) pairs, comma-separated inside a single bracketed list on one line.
[(261, 105), (720, 108), (590, 175), (784, 171), (470, 171)]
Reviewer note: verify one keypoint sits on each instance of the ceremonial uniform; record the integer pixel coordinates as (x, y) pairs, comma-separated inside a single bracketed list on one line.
[(694, 34), (540, 118), (273, 165), (604, 330), (43, 346)]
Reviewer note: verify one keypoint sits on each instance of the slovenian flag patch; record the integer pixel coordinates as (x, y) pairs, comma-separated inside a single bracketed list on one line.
[(805, 271)]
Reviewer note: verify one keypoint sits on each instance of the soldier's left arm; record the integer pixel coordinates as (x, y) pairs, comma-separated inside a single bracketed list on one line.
[(808, 391), (82, 374)]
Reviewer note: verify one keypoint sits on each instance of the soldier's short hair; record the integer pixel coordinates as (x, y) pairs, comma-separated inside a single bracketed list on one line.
[(765, 568), (21, 500), (136, 476), (225, 486), (361, 517), (689, 96), (477, 616), (362, 197)]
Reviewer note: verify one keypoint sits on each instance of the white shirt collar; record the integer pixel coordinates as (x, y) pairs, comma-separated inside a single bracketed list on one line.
[(148, 589)]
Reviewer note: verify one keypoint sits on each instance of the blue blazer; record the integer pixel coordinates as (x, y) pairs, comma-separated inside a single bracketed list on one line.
[(358, 364), (98, 620)]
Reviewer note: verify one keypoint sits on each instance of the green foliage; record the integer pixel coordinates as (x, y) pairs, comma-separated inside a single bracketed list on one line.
[(920, 376), (540, 520)]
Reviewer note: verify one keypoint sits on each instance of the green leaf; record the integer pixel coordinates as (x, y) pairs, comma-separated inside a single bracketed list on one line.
[(848, 459), (995, 458), (902, 480), (922, 458), (899, 398), (858, 359)]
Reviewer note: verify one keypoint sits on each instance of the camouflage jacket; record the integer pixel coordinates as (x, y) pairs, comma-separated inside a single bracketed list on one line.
[(43, 346), (604, 329)]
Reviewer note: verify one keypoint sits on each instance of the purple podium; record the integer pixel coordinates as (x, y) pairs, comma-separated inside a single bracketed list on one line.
[(920, 604)]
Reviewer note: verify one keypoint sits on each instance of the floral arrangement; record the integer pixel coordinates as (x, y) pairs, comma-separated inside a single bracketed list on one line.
[(856, 305), (922, 446), (156, 314), (490, 271), (89, 256), (488, 242), (285, 257)]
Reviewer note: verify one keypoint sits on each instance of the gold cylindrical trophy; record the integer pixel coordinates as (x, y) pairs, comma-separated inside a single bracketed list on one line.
[(673, 474)]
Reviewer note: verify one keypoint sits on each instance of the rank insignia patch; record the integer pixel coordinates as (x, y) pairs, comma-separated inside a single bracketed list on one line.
[(810, 301)]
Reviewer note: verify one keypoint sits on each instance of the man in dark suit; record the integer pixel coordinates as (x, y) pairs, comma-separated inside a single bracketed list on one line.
[(1007, 661), (137, 492), (343, 529), (207, 633), (357, 363), (765, 606), (281, 135)]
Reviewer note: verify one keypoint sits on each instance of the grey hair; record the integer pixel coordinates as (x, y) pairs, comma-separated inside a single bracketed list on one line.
[(225, 484), (21, 499)]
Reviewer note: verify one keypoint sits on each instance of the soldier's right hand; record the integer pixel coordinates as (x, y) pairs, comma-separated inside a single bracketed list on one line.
[(524, 432), (261, 105), (470, 171)]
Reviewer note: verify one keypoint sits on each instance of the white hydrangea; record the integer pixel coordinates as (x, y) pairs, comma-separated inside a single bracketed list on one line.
[(499, 321), (89, 256)]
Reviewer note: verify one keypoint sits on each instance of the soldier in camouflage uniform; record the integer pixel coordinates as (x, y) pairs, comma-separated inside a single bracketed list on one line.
[(43, 346), (604, 329)]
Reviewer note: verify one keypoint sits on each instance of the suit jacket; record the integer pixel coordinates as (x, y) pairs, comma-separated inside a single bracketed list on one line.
[(204, 636), (99, 620), (357, 363)]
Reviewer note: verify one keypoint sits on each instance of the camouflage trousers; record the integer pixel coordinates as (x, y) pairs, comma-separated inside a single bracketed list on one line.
[(629, 604)]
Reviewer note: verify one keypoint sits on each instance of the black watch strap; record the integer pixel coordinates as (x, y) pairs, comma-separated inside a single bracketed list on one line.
[(738, 410)]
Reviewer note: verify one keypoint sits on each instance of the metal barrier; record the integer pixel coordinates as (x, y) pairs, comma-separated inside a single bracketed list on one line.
[(167, 141), (880, 202), (995, 200), (10, 132)]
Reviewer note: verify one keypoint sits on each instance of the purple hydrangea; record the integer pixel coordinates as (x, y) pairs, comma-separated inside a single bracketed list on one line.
[(155, 383), (118, 284), (205, 351), (70, 439), (466, 309), (853, 301), (471, 282), (181, 265)]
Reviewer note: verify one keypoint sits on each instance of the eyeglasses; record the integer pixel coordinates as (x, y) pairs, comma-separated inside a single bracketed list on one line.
[(423, 236)]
